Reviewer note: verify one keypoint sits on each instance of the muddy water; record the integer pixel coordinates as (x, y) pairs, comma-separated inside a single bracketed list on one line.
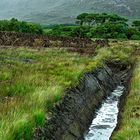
[(106, 117)]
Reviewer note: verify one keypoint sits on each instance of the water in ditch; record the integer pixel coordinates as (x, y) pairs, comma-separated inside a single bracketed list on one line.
[(106, 117)]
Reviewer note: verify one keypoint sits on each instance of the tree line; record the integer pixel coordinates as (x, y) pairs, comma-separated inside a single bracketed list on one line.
[(103, 25), (96, 18), (20, 26), (89, 25)]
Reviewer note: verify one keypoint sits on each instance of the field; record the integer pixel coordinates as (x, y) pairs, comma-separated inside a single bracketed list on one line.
[(130, 126), (33, 80)]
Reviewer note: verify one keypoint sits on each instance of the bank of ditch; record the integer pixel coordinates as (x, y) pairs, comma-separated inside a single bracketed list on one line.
[(72, 116), (129, 126)]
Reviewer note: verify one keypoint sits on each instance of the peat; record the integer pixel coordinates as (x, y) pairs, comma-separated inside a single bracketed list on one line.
[(74, 113)]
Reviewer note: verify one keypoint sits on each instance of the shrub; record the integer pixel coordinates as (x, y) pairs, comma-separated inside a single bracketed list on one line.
[(121, 36), (135, 37), (81, 31), (61, 30), (130, 32), (20, 26)]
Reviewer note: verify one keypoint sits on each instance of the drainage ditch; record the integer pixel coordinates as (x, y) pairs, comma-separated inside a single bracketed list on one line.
[(95, 99), (106, 117)]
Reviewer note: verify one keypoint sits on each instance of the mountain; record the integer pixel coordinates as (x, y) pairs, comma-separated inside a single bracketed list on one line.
[(65, 11)]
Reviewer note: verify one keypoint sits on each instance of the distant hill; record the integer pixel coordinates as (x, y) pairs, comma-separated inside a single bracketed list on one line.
[(65, 11)]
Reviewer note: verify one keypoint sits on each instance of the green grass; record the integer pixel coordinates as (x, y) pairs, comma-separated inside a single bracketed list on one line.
[(31, 88), (33, 80), (130, 126)]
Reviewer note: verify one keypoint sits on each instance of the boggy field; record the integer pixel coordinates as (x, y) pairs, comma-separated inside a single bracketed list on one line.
[(129, 128), (34, 80)]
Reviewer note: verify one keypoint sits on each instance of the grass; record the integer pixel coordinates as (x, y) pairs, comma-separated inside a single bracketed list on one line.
[(32, 80), (31, 88), (130, 126)]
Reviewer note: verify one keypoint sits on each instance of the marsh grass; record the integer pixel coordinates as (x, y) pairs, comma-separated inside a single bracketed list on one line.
[(31, 88), (32, 81), (130, 126)]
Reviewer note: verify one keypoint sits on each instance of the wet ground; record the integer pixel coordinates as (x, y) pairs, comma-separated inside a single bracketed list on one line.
[(106, 117)]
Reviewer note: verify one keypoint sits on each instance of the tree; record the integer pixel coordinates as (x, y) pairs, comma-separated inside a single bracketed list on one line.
[(136, 24), (96, 18), (99, 25), (80, 31), (131, 32), (109, 30), (116, 18), (81, 18), (13, 25), (20, 26)]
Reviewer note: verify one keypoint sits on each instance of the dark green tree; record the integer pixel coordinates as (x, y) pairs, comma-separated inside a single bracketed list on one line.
[(136, 24), (80, 31), (95, 18), (81, 18), (20, 26)]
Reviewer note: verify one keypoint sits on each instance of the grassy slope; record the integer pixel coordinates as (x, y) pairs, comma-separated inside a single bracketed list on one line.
[(130, 127), (32, 81)]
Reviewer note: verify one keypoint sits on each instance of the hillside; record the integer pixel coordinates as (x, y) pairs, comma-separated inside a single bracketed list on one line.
[(64, 11)]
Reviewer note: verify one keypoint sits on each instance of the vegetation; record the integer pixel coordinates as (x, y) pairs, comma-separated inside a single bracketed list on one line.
[(130, 126), (95, 25), (91, 25), (136, 24), (32, 81), (20, 26), (93, 19), (59, 30)]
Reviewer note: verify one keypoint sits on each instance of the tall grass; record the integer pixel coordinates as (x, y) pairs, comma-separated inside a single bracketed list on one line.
[(130, 127), (32, 81)]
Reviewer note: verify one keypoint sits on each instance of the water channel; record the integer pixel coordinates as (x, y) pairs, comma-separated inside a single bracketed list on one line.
[(105, 120)]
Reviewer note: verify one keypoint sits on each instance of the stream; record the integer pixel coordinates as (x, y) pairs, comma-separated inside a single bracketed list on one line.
[(105, 120)]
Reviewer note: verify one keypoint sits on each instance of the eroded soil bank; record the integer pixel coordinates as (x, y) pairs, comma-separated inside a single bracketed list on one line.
[(73, 115)]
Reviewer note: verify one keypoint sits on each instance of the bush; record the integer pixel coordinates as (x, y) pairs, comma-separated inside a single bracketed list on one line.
[(130, 32), (81, 31), (135, 37), (121, 36), (61, 30), (109, 30), (20, 26), (136, 24)]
